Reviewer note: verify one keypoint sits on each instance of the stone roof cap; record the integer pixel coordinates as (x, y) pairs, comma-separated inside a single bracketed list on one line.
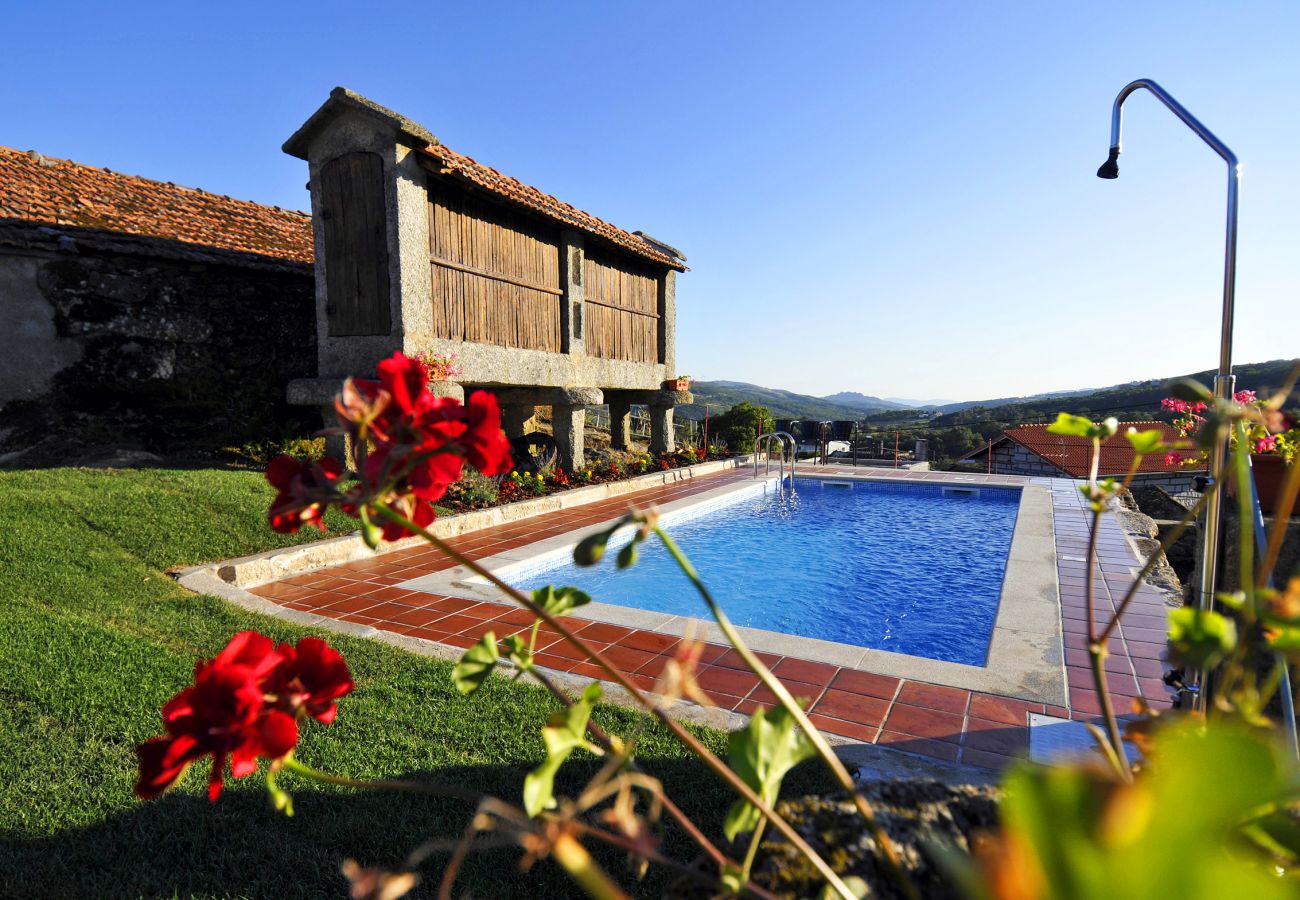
[(342, 98)]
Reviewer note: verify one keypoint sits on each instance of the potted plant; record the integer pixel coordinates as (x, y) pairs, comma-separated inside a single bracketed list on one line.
[(1274, 443), (680, 383)]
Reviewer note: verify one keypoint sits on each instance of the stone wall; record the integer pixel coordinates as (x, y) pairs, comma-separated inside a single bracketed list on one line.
[(167, 351), (1009, 458)]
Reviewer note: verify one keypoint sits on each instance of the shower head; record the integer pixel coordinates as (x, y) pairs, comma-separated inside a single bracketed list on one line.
[(1110, 168)]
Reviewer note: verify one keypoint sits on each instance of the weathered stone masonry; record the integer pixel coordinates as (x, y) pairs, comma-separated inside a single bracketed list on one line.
[(121, 341)]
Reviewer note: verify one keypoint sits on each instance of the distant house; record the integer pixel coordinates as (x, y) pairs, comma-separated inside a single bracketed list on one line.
[(1031, 450), (144, 313)]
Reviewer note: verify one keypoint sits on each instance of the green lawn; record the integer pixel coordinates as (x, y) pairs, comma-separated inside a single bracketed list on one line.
[(95, 637)]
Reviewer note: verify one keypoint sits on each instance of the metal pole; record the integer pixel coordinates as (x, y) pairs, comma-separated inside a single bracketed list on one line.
[(1224, 382)]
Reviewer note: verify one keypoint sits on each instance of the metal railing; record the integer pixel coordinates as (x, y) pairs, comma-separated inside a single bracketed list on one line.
[(782, 438)]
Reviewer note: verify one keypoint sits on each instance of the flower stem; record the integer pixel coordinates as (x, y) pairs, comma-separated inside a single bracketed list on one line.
[(787, 701), (692, 743)]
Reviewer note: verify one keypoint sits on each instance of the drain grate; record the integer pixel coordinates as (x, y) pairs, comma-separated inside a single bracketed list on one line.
[(1053, 739)]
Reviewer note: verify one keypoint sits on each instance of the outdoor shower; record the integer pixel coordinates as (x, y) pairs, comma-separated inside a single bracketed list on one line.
[(1224, 381)]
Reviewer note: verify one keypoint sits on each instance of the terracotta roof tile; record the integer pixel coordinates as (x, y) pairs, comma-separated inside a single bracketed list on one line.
[(553, 208), (1073, 455), (34, 188)]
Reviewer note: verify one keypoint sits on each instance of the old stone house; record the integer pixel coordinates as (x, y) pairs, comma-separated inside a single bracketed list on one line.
[(1031, 450), (145, 314)]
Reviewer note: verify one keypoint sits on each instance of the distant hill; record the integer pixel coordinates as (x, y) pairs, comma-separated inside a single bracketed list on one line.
[(722, 395), (1136, 397), (864, 401)]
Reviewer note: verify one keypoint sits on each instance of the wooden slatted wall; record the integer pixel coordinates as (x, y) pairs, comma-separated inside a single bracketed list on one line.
[(496, 274), (356, 246), (622, 307)]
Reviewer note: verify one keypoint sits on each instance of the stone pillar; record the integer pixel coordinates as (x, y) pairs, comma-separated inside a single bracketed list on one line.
[(569, 423), (620, 424), (662, 439), (668, 323), (573, 303), (515, 419), (336, 444)]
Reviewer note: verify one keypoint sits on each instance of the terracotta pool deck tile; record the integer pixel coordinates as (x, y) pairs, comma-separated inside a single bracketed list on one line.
[(568, 651), (1149, 668), (597, 631), (996, 737), (1121, 682), (852, 707), (868, 683), (854, 730), (732, 660), (459, 623), (805, 671), (1148, 650), (927, 723), (1146, 635), (517, 617), (1002, 709), (933, 696), (416, 617), (800, 690), (725, 701), (387, 609), (727, 681), (1118, 663), (630, 659), (922, 746), (650, 641)]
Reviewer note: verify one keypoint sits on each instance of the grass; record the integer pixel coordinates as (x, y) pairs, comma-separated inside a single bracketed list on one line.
[(96, 636)]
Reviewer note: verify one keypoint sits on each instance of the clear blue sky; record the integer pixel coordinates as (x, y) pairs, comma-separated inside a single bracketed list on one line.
[(896, 198)]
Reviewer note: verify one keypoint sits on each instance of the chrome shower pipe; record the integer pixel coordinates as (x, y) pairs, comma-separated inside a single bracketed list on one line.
[(1224, 381)]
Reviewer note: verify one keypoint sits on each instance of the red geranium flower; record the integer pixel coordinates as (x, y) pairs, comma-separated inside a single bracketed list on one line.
[(244, 704), (486, 446), (305, 489), (311, 677), (222, 714)]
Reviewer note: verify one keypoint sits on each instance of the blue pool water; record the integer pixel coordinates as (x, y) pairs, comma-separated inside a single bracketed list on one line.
[(906, 568)]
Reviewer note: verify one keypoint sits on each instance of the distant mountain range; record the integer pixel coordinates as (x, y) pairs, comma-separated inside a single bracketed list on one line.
[(1134, 396)]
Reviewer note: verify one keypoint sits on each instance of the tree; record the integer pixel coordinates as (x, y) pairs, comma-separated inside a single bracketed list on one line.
[(739, 425)]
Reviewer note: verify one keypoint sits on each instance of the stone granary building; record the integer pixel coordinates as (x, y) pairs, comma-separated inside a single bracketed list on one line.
[(419, 248)]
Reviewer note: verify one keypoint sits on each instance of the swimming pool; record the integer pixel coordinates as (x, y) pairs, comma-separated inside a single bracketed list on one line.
[(910, 568)]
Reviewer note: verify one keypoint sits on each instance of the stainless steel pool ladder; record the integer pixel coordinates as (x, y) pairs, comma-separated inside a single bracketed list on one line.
[(781, 437)]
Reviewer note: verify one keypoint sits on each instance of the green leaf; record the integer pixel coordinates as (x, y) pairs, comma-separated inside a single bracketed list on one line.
[(564, 732), (1079, 426), (591, 549), (517, 651), (560, 601), (761, 753), (476, 665), (1074, 426), (1200, 638), (627, 556), (1145, 442), (1175, 832)]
